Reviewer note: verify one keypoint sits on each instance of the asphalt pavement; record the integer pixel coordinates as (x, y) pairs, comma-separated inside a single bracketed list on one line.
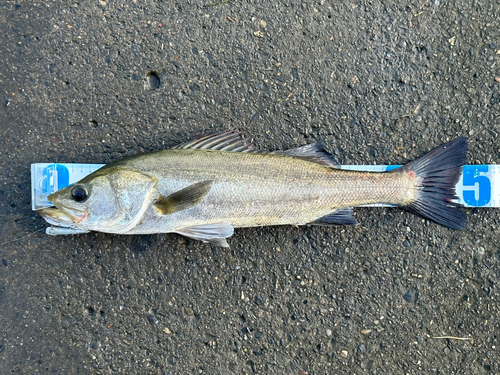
[(377, 82)]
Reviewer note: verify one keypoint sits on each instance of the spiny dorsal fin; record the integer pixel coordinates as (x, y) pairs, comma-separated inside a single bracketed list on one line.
[(183, 199), (232, 140), (215, 233), (314, 152)]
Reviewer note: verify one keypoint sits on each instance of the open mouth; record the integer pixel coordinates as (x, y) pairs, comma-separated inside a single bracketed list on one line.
[(55, 216), (62, 217), (61, 223)]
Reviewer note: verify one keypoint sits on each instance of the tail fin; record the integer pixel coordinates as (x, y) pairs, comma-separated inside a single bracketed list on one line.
[(438, 172)]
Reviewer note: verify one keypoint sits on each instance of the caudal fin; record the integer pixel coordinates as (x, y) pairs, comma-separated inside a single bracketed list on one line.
[(438, 173)]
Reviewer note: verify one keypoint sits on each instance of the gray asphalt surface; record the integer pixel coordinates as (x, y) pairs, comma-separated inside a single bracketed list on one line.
[(378, 82)]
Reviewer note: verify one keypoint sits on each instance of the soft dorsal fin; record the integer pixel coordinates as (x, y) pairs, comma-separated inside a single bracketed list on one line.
[(183, 199), (215, 233), (232, 140), (314, 152)]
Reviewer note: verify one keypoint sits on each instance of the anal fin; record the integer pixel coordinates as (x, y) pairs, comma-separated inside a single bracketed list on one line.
[(215, 233), (343, 216)]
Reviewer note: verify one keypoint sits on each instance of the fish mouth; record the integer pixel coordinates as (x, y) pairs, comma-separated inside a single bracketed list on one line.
[(55, 216), (62, 217)]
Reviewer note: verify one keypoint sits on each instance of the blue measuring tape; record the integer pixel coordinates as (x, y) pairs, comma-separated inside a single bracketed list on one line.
[(479, 185)]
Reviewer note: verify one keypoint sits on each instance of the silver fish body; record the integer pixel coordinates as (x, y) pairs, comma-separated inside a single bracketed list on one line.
[(203, 192)]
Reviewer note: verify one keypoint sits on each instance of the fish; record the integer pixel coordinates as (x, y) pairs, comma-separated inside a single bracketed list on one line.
[(206, 188)]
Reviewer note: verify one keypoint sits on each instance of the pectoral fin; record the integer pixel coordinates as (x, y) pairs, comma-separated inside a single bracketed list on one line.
[(214, 233), (183, 199), (343, 216)]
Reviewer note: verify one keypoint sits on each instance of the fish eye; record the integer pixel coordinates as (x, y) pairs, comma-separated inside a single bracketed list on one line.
[(79, 193)]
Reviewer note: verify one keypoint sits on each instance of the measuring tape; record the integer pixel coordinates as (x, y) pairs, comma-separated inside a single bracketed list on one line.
[(479, 185)]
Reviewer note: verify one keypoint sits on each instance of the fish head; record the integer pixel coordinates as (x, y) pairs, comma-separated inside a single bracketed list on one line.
[(111, 200)]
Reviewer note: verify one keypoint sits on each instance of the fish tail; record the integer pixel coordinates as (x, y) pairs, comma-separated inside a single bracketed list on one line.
[(436, 175)]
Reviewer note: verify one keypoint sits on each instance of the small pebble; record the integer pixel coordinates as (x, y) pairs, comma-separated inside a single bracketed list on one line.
[(366, 331), (328, 332), (188, 311), (344, 353), (166, 331), (497, 79)]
